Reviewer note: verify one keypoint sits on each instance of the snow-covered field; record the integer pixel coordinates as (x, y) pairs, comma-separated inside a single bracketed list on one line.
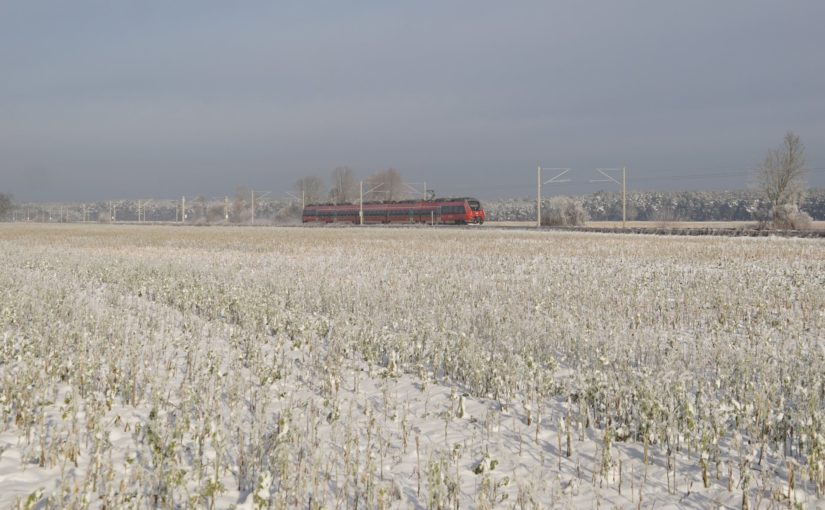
[(395, 368)]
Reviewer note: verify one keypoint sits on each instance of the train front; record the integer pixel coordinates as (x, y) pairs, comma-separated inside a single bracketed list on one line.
[(476, 211)]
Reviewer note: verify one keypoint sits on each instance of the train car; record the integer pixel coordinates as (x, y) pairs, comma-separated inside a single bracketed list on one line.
[(457, 211)]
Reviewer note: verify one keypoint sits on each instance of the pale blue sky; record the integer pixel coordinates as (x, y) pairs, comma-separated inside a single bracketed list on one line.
[(129, 99)]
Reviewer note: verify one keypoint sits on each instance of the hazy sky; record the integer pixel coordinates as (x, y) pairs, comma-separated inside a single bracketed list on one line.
[(130, 99)]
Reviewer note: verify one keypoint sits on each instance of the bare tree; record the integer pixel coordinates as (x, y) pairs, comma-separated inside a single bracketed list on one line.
[(311, 188), (344, 186), (781, 179), (388, 185)]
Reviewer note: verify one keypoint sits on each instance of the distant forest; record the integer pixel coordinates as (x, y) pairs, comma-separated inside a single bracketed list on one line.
[(600, 206), (660, 206)]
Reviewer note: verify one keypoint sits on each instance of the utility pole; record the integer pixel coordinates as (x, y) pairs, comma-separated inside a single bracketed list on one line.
[(361, 202), (538, 197), (624, 197), (226, 208), (142, 210), (183, 209), (623, 184), (261, 194), (538, 189)]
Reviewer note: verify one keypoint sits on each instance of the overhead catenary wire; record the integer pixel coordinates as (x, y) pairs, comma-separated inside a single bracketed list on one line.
[(641, 178)]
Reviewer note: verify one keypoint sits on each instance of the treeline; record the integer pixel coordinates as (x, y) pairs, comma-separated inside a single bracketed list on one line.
[(346, 188), (237, 209), (246, 206), (660, 206), (197, 211)]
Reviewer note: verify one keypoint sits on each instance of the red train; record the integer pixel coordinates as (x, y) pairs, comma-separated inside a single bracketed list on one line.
[(439, 210)]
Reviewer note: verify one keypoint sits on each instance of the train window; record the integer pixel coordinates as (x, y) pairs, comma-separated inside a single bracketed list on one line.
[(474, 205)]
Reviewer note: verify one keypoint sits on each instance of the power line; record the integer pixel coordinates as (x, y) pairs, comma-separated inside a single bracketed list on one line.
[(709, 174)]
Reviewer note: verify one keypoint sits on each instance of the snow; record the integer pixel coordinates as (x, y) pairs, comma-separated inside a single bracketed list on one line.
[(275, 368)]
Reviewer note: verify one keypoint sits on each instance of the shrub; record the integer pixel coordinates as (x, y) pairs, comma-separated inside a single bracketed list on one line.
[(789, 217), (563, 212)]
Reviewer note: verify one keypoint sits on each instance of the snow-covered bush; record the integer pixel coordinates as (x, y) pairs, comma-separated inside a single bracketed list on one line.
[(563, 212), (789, 217)]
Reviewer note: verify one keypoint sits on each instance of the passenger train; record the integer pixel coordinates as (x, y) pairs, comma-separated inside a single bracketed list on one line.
[(459, 211)]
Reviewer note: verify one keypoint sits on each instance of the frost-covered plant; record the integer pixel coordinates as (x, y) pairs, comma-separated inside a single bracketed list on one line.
[(187, 364)]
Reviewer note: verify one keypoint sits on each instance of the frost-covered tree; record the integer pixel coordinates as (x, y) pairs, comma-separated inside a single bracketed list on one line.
[(384, 185), (5, 204), (344, 186), (656, 205), (241, 207), (781, 179), (310, 188)]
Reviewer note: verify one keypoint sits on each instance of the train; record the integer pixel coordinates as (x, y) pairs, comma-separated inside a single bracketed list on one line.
[(458, 211)]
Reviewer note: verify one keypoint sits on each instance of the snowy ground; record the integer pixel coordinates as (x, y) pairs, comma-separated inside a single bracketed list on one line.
[(262, 368)]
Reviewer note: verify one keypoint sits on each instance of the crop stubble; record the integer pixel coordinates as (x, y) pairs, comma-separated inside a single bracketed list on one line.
[(384, 367)]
